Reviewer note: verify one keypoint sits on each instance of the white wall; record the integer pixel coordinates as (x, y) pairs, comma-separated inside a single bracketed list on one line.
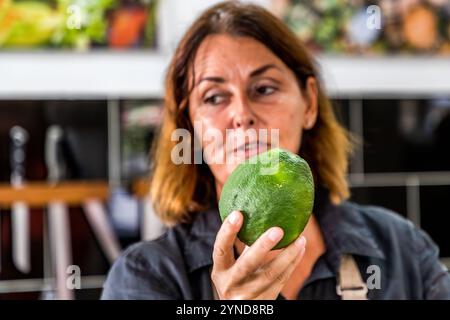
[(176, 16)]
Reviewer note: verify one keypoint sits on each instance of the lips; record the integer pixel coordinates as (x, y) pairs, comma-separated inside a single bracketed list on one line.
[(251, 148)]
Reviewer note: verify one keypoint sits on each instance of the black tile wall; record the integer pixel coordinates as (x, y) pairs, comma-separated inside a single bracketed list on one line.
[(435, 215), (401, 139), (406, 136), (393, 198)]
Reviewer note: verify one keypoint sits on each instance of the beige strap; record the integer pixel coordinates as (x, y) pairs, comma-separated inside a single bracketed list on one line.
[(351, 285)]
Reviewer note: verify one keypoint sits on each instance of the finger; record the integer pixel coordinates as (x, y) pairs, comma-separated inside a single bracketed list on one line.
[(270, 290), (269, 280), (223, 254), (244, 251), (241, 247), (254, 256), (279, 269)]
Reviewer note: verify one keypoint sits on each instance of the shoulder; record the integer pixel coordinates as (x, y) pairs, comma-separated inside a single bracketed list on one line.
[(148, 269), (377, 217), (159, 253), (391, 230), (161, 268), (410, 252), (156, 253)]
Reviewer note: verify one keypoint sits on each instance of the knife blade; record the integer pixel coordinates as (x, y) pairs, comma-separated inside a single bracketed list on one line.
[(58, 215), (20, 218), (98, 220), (59, 237)]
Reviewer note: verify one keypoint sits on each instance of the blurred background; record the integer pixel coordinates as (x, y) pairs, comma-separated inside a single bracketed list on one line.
[(81, 87)]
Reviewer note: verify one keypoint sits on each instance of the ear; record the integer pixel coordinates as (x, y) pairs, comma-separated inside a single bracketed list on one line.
[(312, 106)]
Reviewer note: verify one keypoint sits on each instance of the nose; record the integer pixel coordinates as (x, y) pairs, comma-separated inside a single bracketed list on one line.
[(243, 116)]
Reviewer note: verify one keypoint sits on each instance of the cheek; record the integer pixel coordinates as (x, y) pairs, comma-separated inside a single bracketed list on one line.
[(289, 124), (212, 132), (207, 126), (293, 132)]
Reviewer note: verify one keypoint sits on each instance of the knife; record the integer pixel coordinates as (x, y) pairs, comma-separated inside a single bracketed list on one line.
[(58, 215), (20, 219), (98, 220)]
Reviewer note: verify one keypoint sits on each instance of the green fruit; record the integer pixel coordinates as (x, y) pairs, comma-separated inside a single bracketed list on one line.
[(274, 188)]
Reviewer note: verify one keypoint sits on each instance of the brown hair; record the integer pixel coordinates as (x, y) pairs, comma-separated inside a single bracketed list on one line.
[(179, 190)]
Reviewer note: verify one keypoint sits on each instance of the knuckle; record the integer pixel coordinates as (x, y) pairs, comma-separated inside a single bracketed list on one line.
[(293, 252), (223, 287), (228, 228), (228, 291), (270, 274), (239, 297), (267, 244), (282, 278), (242, 269), (214, 276), (218, 250), (227, 295), (274, 276), (223, 232), (236, 294)]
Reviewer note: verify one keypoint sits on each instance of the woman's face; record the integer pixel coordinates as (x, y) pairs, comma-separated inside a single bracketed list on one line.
[(241, 85)]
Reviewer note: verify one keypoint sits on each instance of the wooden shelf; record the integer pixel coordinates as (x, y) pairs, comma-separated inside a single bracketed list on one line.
[(40, 194), (141, 187)]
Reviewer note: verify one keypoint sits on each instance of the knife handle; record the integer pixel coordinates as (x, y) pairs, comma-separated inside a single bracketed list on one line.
[(54, 162), (19, 139)]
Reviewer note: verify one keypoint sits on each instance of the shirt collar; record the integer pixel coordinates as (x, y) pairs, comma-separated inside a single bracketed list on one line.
[(342, 226), (201, 238), (344, 229)]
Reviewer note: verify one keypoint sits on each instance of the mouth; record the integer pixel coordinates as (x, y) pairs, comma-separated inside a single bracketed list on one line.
[(250, 149)]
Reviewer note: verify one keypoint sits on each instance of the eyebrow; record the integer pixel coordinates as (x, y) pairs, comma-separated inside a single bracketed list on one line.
[(254, 73)]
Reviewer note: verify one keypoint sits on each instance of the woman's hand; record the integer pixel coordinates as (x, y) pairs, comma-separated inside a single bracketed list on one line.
[(252, 275)]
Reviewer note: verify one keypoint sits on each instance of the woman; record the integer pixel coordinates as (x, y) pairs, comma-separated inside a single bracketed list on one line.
[(238, 67)]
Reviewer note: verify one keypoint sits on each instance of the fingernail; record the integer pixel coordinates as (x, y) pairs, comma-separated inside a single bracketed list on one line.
[(275, 234), (300, 242), (234, 217)]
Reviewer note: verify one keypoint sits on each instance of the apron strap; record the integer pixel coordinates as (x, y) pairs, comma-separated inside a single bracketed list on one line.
[(351, 285)]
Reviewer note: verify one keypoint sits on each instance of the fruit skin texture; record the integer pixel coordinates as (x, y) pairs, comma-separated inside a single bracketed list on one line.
[(284, 199)]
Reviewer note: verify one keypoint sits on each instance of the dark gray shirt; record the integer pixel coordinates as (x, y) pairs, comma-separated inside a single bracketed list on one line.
[(177, 265)]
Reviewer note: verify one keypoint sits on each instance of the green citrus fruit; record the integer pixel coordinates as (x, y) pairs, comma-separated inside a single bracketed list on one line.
[(274, 188)]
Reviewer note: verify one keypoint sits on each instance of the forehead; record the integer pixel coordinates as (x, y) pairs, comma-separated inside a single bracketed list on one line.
[(224, 54)]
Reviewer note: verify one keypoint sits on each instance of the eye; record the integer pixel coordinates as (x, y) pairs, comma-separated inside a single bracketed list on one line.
[(214, 99), (265, 90)]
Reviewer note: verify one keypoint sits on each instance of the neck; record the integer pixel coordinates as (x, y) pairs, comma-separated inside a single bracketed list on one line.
[(219, 187), (315, 247)]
